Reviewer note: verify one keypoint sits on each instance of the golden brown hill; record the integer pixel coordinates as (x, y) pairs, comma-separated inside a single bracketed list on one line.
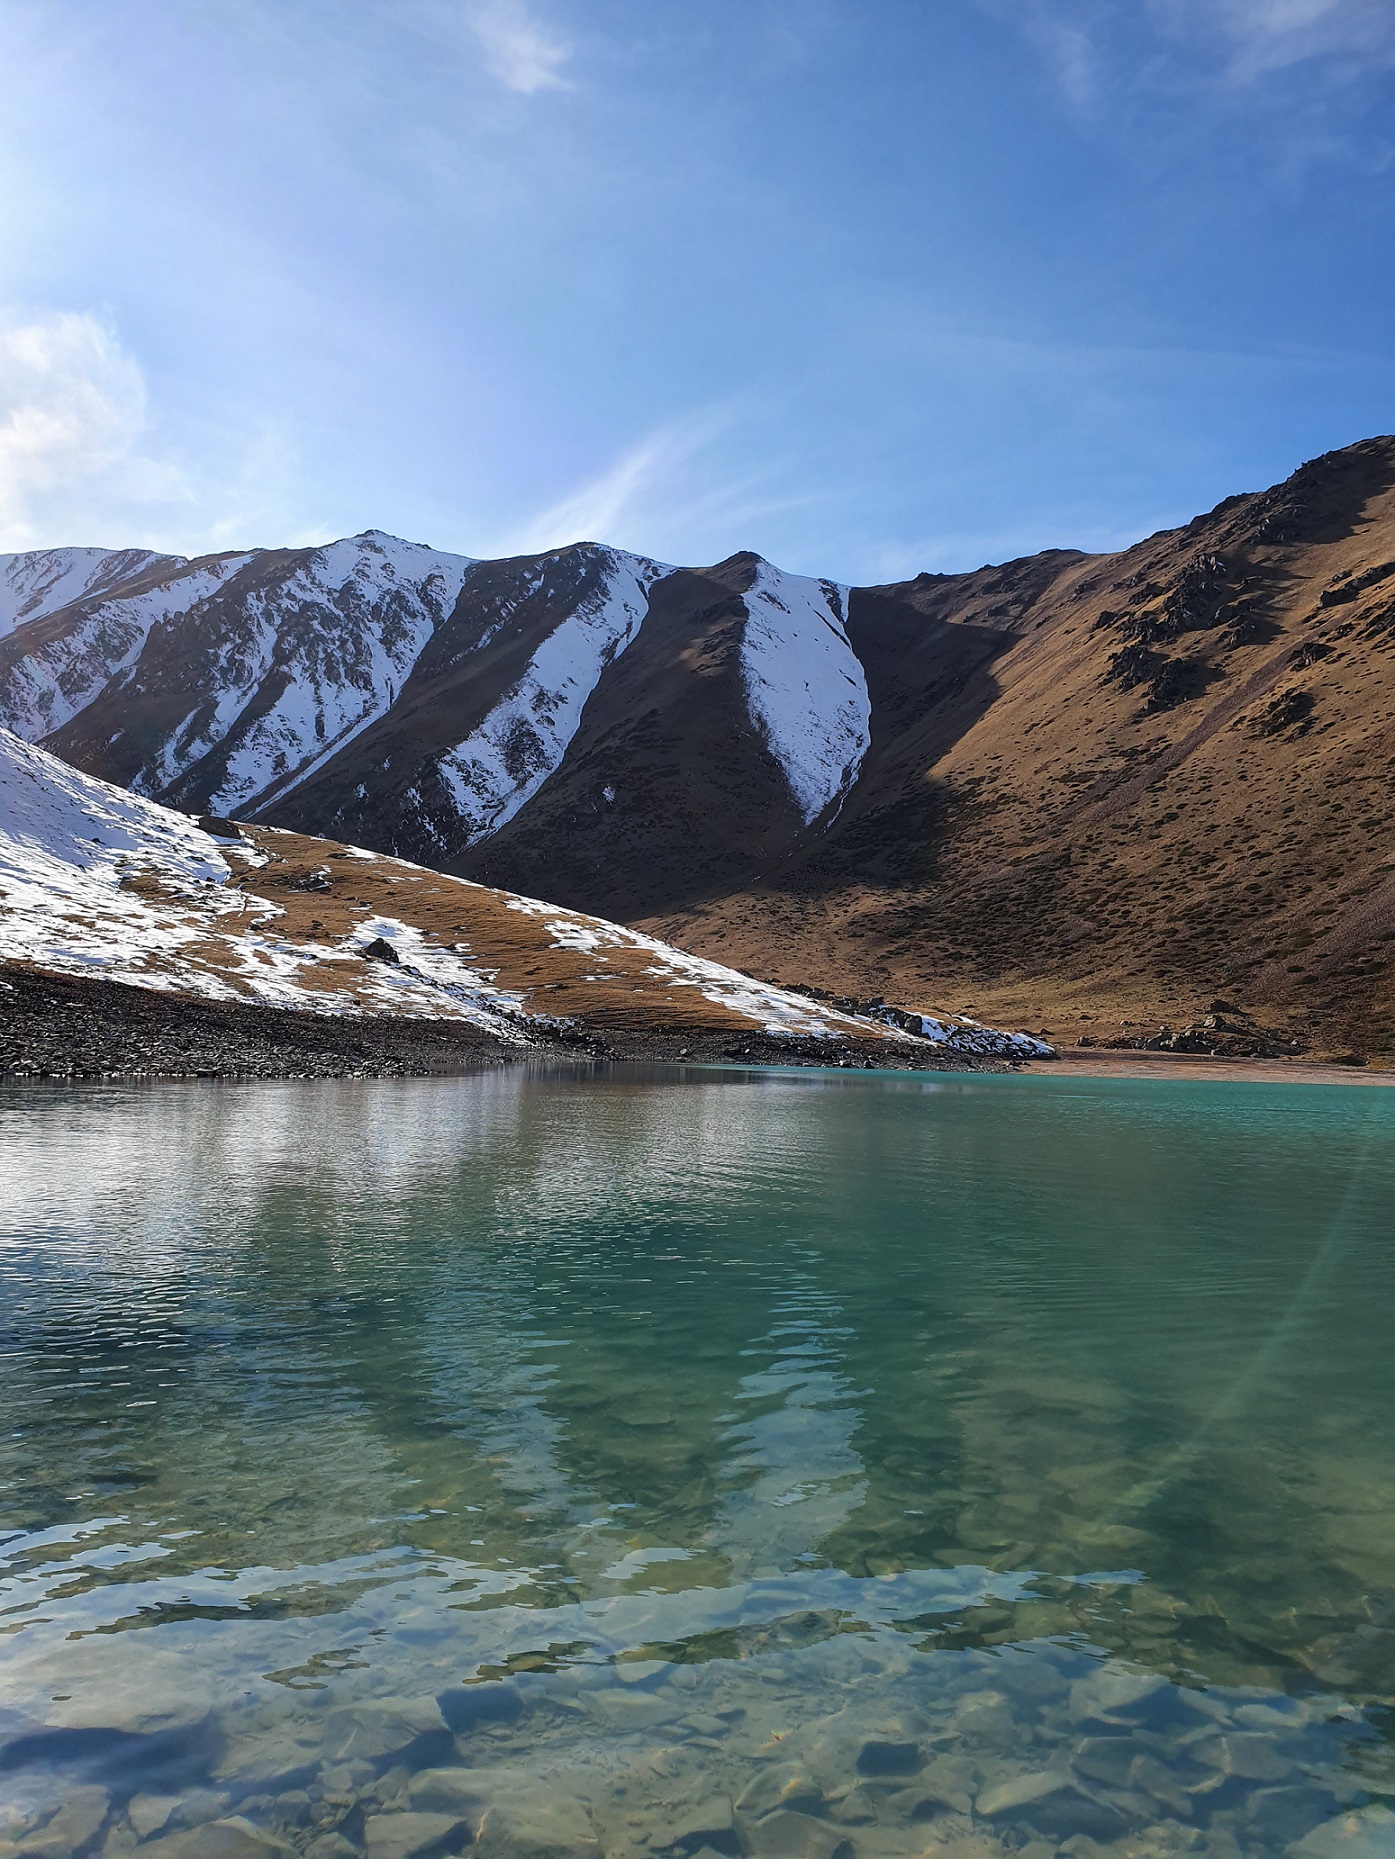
[(1106, 794), (99, 886)]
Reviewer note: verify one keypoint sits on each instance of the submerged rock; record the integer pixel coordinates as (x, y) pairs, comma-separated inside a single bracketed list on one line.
[(413, 1835), (880, 1758), (1369, 1834), (789, 1835), (382, 1727), (233, 1838), (72, 1829), (1021, 1791), (149, 1812)]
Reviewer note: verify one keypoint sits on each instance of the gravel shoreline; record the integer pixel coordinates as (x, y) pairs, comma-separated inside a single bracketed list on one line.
[(61, 1026)]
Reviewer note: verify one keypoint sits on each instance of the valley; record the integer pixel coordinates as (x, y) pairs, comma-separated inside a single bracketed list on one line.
[(1120, 800)]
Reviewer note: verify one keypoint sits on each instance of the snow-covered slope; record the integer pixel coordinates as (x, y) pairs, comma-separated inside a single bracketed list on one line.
[(229, 682), (805, 685), (306, 661), (85, 644), (41, 581), (501, 764), (95, 880)]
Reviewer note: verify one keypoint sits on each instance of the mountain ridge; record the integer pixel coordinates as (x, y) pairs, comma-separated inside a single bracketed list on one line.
[(1099, 792)]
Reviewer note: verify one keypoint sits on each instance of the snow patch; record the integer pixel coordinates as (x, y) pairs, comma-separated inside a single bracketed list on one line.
[(771, 1008), (41, 581), (49, 685), (500, 767), (50, 811), (805, 685), (72, 847), (340, 633), (420, 961)]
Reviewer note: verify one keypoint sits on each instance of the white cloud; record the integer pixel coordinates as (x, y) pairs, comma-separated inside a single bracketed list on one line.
[(519, 50), (72, 416), (1101, 53), (598, 510), (656, 498), (1071, 50), (1271, 34)]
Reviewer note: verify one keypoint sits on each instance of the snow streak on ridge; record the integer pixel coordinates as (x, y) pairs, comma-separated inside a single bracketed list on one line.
[(41, 581), (340, 635), (49, 686), (499, 767), (805, 685)]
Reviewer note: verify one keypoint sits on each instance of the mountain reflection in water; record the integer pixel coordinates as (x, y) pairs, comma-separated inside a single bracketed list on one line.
[(789, 1464)]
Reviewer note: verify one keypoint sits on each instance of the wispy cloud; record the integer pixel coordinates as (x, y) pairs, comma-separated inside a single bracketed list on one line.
[(1072, 52), (662, 498), (520, 51), (1098, 52), (1269, 35), (601, 508), (73, 415)]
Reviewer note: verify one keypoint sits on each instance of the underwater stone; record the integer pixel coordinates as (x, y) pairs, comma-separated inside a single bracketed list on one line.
[(1156, 1779), (1021, 1791), (877, 1757), (464, 1707), (542, 1821), (1253, 1758), (76, 1824), (703, 1725), (1367, 1835), (987, 1717), (412, 1836), (372, 1730), (1105, 1759), (1108, 1695), (446, 1791), (233, 1838), (786, 1835), (701, 1825), (779, 1787), (1281, 1815)]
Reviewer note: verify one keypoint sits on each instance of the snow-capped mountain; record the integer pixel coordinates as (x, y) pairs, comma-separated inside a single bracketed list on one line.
[(424, 703), (45, 580), (1063, 788)]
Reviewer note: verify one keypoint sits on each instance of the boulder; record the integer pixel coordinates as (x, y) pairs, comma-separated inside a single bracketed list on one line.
[(413, 1835), (233, 1838), (789, 1835), (149, 1812), (382, 1727)]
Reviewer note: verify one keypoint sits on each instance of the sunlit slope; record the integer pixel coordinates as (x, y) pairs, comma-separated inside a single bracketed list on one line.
[(97, 881), (1106, 793), (1098, 794)]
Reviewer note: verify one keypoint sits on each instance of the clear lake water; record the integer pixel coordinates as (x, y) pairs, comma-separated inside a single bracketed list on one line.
[(771, 1465)]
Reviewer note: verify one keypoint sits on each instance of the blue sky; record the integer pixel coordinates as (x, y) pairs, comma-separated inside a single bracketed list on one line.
[(869, 286)]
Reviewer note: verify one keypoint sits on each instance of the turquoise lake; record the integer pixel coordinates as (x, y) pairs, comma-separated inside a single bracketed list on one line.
[(637, 1462)]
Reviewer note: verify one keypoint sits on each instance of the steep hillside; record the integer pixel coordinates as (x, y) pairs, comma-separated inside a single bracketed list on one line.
[(1119, 794), (1099, 794), (95, 881)]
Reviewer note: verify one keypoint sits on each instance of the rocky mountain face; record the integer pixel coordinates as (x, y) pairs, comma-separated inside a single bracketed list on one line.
[(1116, 795)]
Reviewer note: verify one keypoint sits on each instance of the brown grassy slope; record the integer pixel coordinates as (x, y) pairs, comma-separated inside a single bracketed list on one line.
[(667, 792), (323, 892), (1132, 785)]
